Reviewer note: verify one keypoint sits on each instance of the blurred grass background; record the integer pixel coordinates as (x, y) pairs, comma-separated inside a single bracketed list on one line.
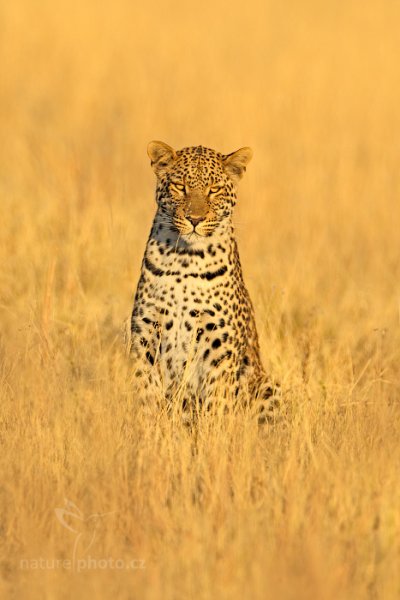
[(309, 508)]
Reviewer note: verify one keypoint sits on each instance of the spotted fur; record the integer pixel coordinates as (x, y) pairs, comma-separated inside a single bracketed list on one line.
[(192, 325)]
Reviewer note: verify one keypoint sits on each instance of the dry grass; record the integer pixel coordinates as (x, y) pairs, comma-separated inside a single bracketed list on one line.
[(309, 508)]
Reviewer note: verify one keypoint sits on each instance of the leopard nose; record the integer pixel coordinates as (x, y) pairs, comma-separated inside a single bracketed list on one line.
[(195, 220)]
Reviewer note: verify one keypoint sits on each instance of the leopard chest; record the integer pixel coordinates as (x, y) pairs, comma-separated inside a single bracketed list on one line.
[(190, 300)]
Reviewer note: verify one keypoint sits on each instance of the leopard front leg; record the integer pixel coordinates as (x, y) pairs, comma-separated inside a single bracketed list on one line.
[(144, 350)]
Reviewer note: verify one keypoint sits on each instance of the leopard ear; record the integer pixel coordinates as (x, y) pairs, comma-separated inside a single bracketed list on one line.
[(235, 163), (162, 156)]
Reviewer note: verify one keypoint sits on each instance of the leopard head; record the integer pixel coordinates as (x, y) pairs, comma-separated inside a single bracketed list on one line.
[(196, 186)]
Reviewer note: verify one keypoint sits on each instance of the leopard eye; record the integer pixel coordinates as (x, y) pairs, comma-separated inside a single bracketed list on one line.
[(214, 189), (179, 186)]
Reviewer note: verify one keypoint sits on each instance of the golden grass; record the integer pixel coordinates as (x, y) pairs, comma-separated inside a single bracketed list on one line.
[(309, 508)]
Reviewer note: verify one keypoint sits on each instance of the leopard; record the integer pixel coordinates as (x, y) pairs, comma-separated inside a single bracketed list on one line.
[(193, 332)]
